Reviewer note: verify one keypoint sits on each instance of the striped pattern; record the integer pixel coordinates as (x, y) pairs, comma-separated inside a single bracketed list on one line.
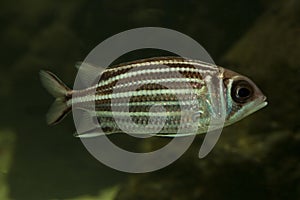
[(127, 94)]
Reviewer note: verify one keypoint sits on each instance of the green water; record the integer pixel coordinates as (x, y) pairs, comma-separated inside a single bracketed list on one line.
[(257, 158)]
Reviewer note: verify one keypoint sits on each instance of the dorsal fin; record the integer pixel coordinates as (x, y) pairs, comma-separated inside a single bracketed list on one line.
[(88, 73)]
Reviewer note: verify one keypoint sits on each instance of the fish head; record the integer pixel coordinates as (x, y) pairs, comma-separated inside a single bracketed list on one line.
[(243, 97)]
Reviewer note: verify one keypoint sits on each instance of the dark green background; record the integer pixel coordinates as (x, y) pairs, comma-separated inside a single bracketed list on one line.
[(257, 158)]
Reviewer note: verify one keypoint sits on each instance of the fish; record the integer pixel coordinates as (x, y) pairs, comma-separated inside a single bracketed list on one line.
[(157, 96)]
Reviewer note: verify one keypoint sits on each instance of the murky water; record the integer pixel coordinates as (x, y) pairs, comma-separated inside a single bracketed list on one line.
[(255, 158)]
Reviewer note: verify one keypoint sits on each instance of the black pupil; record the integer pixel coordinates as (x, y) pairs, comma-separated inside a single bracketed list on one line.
[(243, 92)]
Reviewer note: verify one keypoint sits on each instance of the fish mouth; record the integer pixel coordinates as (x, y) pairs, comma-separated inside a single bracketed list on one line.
[(264, 98), (262, 104), (264, 101), (258, 105)]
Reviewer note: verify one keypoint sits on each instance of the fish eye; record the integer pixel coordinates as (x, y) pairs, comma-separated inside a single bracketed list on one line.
[(241, 91)]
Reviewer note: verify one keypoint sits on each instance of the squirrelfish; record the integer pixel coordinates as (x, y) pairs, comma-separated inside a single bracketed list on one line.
[(152, 93)]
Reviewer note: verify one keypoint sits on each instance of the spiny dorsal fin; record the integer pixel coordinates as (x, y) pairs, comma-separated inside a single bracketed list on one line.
[(88, 73)]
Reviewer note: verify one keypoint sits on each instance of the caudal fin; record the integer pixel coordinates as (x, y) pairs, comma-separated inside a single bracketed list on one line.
[(61, 92)]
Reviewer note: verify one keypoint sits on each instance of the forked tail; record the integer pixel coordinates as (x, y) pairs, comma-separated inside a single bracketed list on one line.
[(61, 92)]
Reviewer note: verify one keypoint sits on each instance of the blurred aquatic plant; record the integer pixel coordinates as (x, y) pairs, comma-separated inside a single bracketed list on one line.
[(7, 144)]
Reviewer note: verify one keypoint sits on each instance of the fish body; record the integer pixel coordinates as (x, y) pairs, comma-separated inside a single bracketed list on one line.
[(158, 95)]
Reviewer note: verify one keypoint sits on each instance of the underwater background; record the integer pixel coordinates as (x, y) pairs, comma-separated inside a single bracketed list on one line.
[(256, 158)]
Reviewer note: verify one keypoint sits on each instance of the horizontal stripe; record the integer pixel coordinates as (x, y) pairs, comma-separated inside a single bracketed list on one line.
[(135, 93), (128, 125), (156, 81), (208, 69), (137, 114), (160, 61), (149, 71), (145, 72), (142, 128), (181, 82), (151, 103)]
